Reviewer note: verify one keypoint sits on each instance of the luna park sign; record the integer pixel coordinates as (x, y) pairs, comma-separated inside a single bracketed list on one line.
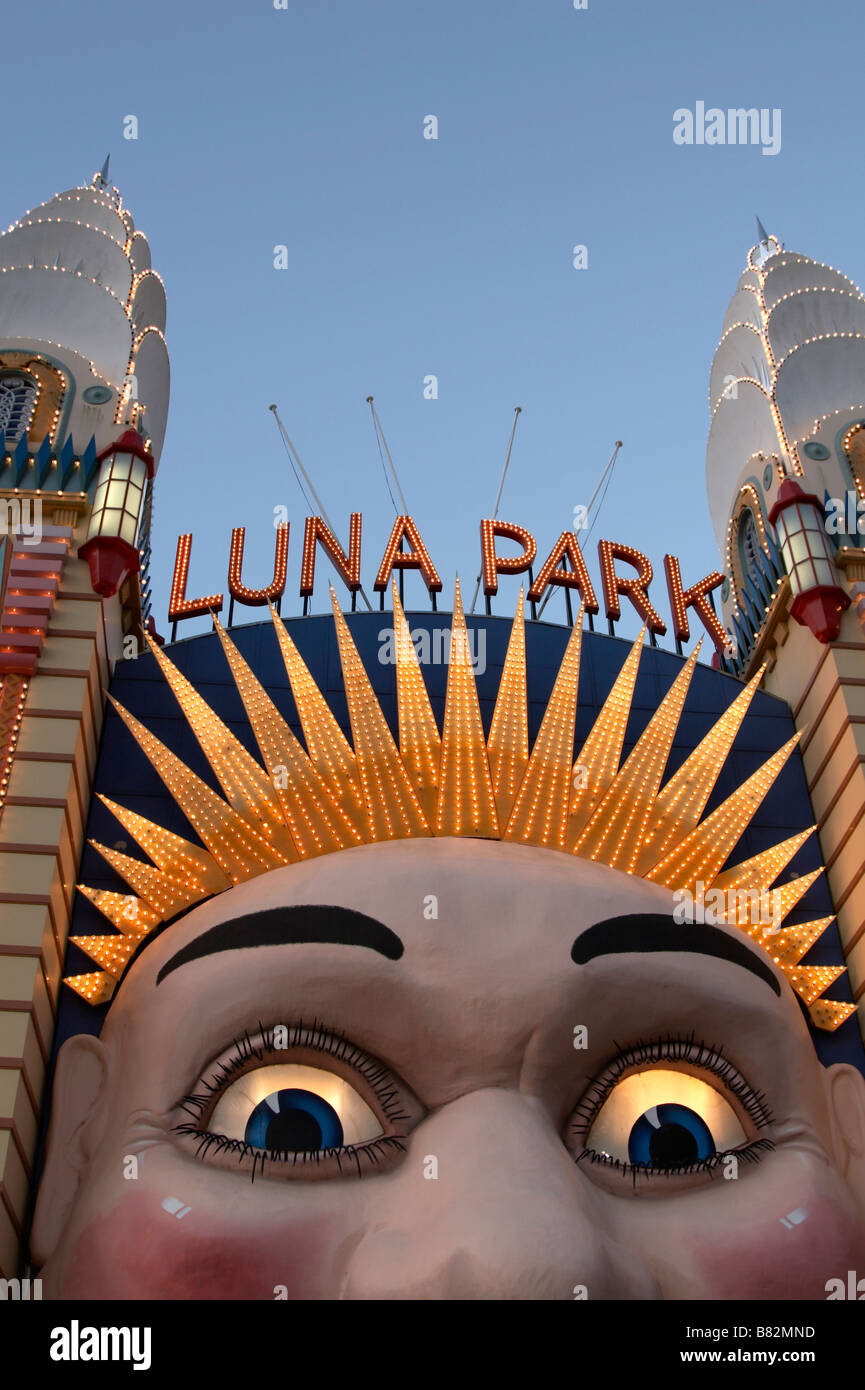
[(626, 574)]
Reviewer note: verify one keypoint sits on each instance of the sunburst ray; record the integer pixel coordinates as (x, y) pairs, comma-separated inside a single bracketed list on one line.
[(392, 806), (420, 742), (466, 804), (615, 832), (600, 755), (540, 811), (508, 742)]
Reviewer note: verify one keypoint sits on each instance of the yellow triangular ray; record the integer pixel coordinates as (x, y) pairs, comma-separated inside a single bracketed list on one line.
[(245, 784), (179, 858), (615, 832), (761, 870), (95, 988), (165, 895), (682, 801), (327, 746), (508, 743), (809, 981), (392, 806), (778, 903), (111, 952), (599, 757), (828, 1014), (314, 818), (130, 915), (540, 811), (788, 946), (466, 805), (420, 743), (237, 848), (701, 854)]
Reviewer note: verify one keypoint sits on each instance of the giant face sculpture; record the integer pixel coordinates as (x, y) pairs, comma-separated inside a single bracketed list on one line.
[(423, 1125), (448, 1067)]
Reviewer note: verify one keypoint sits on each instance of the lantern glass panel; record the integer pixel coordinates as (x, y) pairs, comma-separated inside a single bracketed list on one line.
[(823, 572)]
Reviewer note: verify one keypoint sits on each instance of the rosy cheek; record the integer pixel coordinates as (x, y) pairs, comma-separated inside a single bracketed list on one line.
[(767, 1259), (141, 1251)]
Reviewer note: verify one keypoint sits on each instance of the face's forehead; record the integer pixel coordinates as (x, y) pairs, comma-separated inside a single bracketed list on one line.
[(479, 897)]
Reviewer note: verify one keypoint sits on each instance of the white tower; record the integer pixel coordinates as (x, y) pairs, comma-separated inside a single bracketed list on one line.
[(785, 473), (83, 402), (82, 350)]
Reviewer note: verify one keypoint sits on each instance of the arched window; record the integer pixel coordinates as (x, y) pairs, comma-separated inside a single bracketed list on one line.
[(749, 544), (17, 400)]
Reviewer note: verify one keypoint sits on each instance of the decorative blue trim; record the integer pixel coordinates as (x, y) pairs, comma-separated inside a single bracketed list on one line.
[(751, 604), (88, 464), (43, 461), (66, 463), (745, 640), (20, 459)]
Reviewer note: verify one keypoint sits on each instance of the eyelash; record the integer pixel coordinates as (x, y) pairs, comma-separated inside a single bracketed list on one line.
[(673, 1049), (318, 1039)]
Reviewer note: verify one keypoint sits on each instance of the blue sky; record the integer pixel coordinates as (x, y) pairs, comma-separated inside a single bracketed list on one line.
[(407, 257)]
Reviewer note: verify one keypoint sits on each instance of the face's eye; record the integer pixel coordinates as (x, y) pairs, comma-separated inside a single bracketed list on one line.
[(297, 1101), (664, 1119), (294, 1109)]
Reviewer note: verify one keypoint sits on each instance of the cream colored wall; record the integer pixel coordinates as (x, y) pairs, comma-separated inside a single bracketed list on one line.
[(41, 837), (825, 688)]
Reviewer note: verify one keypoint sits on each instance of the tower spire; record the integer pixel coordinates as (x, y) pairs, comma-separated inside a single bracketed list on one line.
[(101, 179)]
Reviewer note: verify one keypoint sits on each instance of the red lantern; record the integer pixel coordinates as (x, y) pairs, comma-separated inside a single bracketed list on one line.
[(110, 548), (818, 599)]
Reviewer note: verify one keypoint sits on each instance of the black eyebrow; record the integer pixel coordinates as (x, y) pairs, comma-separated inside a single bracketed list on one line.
[(290, 926), (645, 931)]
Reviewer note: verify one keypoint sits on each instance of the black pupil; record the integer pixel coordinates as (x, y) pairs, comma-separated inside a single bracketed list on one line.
[(295, 1131), (673, 1144)]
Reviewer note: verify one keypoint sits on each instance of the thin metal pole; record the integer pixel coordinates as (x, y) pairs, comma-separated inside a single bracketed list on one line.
[(612, 460), (318, 502), (517, 413), (380, 432)]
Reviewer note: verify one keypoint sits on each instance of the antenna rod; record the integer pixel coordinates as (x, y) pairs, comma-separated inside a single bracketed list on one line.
[(605, 474), (318, 502), (517, 413), (380, 432)]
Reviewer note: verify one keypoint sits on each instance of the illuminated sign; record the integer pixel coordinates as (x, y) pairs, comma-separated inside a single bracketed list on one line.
[(564, 566)]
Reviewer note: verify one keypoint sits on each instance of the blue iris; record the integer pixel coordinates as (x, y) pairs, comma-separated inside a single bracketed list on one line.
[(670, 1136), (293, 1122)]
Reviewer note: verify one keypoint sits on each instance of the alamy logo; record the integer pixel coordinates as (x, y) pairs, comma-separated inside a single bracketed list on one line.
[(438, 647), (736, 126), (845, 515), (20, 1290), (21, 518), (713, 906), (853, 1290), (76, 1343)]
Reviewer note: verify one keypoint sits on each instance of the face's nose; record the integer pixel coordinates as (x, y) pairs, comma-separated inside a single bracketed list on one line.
[(489, 1204)]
